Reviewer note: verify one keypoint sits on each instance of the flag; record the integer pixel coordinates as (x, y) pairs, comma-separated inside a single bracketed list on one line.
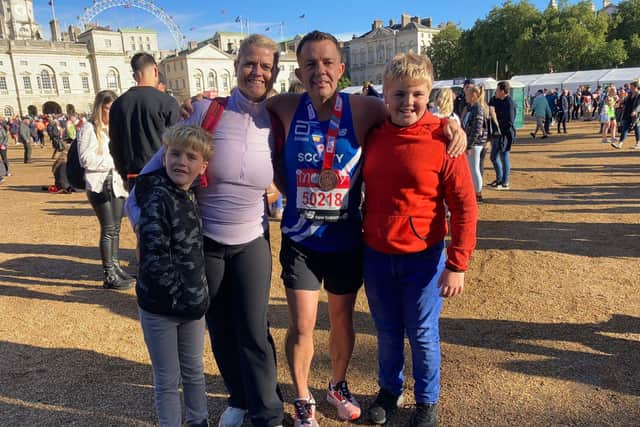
[(223, 11), (51, 3), (267, 28), (302, 16), (192, 28), (238, 19)]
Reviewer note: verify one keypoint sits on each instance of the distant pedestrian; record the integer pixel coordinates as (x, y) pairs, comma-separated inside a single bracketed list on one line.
[(4, 145), (24, 136), (505, 111), (541, 111), (631, 116)]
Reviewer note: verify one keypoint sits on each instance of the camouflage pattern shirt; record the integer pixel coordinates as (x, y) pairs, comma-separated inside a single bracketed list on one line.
[(171, 279)]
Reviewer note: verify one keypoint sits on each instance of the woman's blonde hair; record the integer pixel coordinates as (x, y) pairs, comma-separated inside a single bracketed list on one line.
[(410, 66), (259, 41), (479, 90), (103, 98), (444, 101)]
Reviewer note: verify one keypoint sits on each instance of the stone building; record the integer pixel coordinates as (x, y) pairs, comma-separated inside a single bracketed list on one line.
[(63, 74), (370, 52), (204, 67)]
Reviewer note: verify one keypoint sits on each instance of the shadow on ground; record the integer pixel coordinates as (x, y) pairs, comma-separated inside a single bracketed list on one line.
[(79, 387), (612, 363)]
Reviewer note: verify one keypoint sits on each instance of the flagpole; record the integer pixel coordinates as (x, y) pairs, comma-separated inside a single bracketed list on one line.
[(53, 10)]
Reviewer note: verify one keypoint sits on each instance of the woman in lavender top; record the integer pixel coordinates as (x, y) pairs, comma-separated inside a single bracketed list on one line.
[(236, 246)]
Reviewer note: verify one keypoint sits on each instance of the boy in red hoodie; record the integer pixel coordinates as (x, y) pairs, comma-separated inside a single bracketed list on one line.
[(408, 179)]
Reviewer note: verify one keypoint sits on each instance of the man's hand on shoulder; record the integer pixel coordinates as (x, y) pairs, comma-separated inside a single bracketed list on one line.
[(186, 109), (457, 138)]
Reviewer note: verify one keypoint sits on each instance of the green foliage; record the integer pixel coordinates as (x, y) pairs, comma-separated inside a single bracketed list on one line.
[(445, 52), (627, 28), (344, 82), (526, 40)]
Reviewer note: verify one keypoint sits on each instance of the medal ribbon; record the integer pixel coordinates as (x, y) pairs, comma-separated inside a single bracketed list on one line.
[(332, 133)]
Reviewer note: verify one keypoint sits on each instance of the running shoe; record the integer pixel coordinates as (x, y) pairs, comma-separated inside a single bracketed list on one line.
[(305, 415), (340, 397)]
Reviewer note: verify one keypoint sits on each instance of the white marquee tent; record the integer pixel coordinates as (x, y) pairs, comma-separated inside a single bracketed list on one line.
[(571, 80)]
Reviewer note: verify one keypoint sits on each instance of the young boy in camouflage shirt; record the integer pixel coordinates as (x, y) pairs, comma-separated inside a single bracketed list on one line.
[(172, 287)]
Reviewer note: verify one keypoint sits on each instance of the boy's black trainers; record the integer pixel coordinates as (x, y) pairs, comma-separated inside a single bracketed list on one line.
[(425, 415), (385, 405)]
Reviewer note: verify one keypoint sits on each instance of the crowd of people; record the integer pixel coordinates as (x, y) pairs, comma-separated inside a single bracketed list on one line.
[(198, 190), (29, 131), (617, 110)]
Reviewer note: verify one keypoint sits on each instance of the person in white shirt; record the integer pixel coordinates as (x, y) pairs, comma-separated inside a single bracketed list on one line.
[(105, 189)]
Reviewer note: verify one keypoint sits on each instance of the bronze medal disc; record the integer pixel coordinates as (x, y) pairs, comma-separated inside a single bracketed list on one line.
[(328, 180)]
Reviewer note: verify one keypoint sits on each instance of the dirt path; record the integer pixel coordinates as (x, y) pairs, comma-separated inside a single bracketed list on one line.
[(547, 332)]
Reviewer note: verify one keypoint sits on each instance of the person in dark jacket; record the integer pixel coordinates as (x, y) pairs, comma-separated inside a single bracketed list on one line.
[(4, 145), (172, 287), (562, 110), (24, 136), (139, 117), (505, 110), (631, 116), (475, 126)]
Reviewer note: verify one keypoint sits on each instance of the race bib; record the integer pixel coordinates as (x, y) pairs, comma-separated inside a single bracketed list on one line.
[(318, 205)]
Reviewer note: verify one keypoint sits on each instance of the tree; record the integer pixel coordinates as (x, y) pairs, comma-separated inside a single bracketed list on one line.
[(627, 28), (344, 82), (446, 53), (505, 35)]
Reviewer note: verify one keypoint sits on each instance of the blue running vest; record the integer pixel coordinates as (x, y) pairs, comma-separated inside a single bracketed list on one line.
[(325, 221)]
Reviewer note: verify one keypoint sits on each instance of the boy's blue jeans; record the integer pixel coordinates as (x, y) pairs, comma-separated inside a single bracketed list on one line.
[(404, 297)]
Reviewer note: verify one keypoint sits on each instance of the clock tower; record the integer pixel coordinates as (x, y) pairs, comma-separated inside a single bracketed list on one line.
[(17, 21)]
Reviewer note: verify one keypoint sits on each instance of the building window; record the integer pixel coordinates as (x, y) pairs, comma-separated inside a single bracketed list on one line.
[(198, 81), (133, 46), (148, 40), (132, 39), (83, 65), (45, 81), (63, 63), (107, 43), (148, 47), (283, 87), (3, 85), (25, 63), (112, 80), (85, 83), (65, 84), (8, 111), (141, 47), (1, 62), (211, 81), (182, 66), (26, 81), (225, 83)]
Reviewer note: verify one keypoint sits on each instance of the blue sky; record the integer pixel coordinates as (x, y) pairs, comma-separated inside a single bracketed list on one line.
[(200, 19)]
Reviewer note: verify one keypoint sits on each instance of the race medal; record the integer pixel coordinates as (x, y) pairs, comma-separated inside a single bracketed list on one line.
[(327, 180)]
